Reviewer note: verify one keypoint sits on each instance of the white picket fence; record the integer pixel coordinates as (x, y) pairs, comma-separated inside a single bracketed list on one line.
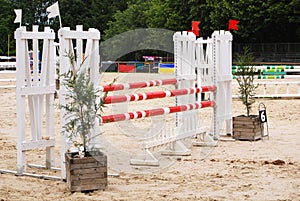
[(274, 89)]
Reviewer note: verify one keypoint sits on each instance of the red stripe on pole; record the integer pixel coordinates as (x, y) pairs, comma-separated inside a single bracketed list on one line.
[(139, 113), (208, 104), (157, 94), (208, 88), (179, 92), (114, 87), (131, 115), (158, 111), (169, 81), (115, 99), (113, 118), (136, 85)]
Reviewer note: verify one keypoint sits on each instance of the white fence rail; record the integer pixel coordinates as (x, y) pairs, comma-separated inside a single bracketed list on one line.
[(274, 89)]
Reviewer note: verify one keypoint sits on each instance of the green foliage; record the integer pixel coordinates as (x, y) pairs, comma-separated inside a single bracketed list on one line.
[(260, 20), (80, 110), (245, 77), (33, 12), (82, 107), (131, 18), (6, 27)]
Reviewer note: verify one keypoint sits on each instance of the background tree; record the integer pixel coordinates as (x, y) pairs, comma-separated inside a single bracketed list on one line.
[(6, 25), (131, 18), (260, 20), (33, 12)]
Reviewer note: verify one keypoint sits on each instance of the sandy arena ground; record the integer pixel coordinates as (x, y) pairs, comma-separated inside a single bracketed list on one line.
[(234, 170)]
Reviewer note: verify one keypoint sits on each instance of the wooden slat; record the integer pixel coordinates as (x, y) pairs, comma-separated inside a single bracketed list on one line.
[(82, 166), (37, 90), (37, 144), (90, 170), (247, 129), (246, 133), (91, 186), (79, 177), (244, 126), (83, 182), (92, 159), (251, 137)]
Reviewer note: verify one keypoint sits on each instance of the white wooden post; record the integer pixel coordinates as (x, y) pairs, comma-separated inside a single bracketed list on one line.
[(222, 59), (35, 86), (184, 64)]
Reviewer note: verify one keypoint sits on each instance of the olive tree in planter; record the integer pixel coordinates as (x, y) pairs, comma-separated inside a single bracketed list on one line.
[(246, 127), (86, 167)]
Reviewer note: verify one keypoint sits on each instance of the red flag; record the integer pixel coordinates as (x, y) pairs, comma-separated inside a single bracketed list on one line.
[(232, 25), (195, 27)]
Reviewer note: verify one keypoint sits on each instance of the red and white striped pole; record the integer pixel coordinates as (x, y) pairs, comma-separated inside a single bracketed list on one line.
[(155, 112), (157, 94), (136, 85)]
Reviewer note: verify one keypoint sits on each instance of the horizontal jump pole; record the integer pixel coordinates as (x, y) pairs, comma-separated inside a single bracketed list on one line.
[(136, 85), (155, 112), (157, 94)]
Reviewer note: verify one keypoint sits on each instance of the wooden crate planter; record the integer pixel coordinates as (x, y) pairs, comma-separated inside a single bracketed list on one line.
[(247, 128), (86, 174)]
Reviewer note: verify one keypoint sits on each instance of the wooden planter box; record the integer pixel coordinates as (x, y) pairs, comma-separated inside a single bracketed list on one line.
[(247, 128), (88, 173)]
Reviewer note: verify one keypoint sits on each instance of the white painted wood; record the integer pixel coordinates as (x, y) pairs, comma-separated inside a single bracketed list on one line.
[(35, 87), (223, 79)]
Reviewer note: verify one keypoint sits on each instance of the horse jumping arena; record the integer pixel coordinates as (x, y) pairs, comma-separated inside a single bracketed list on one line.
[(218, 168)]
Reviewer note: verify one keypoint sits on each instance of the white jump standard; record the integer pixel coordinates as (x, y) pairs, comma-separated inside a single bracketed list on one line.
[(38, 88)]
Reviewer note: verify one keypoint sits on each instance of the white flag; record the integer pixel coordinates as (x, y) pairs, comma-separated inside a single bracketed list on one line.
[(53, 10), (18, 16)]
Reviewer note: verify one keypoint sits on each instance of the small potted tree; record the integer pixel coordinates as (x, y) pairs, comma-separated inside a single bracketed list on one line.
[(246, 127), (86, 167)]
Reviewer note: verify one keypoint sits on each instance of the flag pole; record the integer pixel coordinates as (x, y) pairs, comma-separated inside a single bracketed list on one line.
[(59, 21)]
